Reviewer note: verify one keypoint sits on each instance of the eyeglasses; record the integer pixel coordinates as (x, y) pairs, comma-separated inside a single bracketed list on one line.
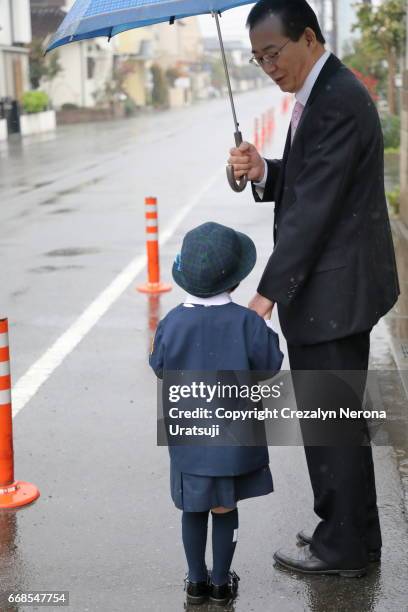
[(268, 58)]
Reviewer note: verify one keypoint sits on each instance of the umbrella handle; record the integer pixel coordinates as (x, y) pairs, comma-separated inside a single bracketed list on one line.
[(234, 184)]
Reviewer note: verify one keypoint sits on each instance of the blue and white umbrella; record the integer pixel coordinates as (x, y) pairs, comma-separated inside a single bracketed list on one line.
[(92, 18)]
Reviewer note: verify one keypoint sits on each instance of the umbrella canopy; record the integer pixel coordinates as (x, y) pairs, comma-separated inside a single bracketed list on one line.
[(92, 18)]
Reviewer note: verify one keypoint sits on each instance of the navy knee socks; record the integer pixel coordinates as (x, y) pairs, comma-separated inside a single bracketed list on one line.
[(224, 540), (194, 530)]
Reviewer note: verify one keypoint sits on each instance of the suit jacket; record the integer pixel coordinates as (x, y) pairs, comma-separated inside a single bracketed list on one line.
[(332, 271)]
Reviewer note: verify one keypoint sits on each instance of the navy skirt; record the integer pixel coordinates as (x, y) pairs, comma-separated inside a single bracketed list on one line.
[(193, 493)]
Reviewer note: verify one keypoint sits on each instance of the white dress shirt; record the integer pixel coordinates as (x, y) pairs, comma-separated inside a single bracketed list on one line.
[(215, 300), (301, 96)]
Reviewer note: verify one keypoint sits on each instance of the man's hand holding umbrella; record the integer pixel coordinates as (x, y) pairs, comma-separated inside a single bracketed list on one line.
[(246, 160)]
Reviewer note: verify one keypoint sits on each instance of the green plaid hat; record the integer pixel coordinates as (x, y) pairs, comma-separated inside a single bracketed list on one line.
[(213, 259)]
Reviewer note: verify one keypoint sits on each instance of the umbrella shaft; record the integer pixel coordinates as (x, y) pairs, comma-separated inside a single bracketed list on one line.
[(215, 14)]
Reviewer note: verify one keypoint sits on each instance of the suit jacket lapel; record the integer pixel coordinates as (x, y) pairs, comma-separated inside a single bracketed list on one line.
[(330, 67)]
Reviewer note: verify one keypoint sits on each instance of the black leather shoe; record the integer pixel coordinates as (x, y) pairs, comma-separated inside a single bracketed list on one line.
[(197, 592), (222, 594), (304, 538), (305, 562)]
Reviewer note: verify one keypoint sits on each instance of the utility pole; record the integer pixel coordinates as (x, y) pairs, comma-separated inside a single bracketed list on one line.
[(404, 137), (321, 11), (334, 37)]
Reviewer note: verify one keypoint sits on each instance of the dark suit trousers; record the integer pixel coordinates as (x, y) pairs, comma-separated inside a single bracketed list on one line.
[(342, 477)]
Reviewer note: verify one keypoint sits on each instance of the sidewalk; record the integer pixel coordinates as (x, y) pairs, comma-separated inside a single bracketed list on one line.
[(394, 332)]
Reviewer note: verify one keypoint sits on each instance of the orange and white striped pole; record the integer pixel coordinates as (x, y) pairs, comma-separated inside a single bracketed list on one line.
[(13, 493), (272, 121), (270, 124), (256, 134), (263, 133), (153, 284)]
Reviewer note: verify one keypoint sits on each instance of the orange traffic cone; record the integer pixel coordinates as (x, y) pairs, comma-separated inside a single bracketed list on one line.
[(13, 493), (153, 284)]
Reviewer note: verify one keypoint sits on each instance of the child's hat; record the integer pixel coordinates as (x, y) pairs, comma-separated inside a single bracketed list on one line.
[(213, 258)]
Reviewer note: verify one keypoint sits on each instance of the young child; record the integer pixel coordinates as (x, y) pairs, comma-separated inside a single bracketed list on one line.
[(210, 333)]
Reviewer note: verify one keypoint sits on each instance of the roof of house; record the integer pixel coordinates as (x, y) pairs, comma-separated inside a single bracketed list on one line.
[(46, 16)]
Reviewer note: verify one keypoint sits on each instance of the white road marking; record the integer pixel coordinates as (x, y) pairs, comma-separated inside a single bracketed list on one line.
[(30, 382)]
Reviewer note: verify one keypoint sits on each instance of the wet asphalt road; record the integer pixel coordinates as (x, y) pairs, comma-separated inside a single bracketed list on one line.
[(104, 528)]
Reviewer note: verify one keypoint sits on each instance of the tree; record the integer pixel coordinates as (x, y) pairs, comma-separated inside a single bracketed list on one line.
[(369, 82), (369, 63), (114, 88), (42, 67), (160, 91), (383, 29), (218, 75), (172, 74)]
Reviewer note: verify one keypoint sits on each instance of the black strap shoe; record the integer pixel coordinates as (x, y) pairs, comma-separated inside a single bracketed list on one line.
[(304, 538), (196, 592), (305, 562), (222, 594)]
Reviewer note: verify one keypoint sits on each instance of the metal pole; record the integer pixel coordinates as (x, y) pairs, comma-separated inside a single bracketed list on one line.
[(215, 14)]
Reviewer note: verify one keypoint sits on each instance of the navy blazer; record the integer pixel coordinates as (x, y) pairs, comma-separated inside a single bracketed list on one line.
[(214, 338), (332, 271)]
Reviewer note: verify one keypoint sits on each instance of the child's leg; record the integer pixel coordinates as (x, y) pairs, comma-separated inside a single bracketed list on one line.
[(224, 540), (194, 530)]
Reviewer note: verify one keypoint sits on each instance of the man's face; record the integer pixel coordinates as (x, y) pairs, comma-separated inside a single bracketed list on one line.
[(290, 69)]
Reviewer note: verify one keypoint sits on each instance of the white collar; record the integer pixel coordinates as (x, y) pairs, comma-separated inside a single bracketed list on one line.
[(215, 300), (303, 94)]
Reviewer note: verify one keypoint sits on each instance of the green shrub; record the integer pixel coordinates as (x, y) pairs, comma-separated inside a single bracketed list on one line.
[(130, 107), (35, 101), (160, 91), (391, 126), (393, 198)]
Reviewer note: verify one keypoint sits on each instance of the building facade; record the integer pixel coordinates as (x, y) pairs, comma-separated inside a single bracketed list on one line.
[(86, 66), (404, 139), (15, 33)]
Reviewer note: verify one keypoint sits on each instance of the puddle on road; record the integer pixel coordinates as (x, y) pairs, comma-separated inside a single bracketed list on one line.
[(47, 269), (72, 252), (81, 186), (71, 190), (61, 211), (19, 292), (49, 201), (42, 184)]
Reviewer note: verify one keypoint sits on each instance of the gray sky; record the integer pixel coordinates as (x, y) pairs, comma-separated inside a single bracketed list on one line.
[(232, 24)]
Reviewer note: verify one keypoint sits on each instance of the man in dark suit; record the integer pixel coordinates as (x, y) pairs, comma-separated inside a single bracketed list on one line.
[(332, 271)]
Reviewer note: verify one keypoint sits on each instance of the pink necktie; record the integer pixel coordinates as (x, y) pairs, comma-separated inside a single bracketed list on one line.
[(296, 115)]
